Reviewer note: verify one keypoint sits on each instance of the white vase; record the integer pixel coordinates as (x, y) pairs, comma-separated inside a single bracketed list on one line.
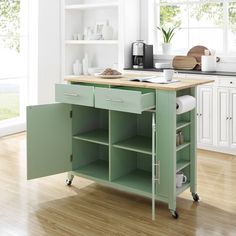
[(77, 68), (85, 64), (107, 31), (166, 48)]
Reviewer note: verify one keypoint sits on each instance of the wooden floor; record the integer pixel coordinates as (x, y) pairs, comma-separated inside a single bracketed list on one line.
[(47, 207)]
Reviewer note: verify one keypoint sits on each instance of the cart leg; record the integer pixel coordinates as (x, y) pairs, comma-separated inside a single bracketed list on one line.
[(172, 208), (195, 197), (70, 178)]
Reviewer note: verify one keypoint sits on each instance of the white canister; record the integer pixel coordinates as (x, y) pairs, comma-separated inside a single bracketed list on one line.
[(208, 63), (107, 31), (77, 68)]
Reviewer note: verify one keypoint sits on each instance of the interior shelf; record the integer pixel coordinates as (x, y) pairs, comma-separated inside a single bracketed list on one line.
[(89, 42), (99, 136), (186, 144), (137, 179), (90, 6), (139, 144), (182, 189), (181, 165), (182, 124), (98, 169)]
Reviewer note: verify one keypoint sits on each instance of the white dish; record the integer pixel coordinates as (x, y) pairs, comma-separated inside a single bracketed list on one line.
[(99, 75)]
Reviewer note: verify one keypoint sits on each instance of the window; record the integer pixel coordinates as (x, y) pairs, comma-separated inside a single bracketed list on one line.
[(211, 23), (14, 63)]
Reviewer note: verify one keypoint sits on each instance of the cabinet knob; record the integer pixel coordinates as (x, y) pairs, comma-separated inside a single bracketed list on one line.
[(230, 118), (227, 118), (231, 82)]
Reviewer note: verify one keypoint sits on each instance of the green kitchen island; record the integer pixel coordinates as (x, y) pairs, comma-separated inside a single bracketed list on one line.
[(118, 133)]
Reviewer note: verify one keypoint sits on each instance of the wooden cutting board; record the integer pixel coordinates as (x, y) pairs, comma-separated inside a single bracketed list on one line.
[(197, 52), (184, 62)]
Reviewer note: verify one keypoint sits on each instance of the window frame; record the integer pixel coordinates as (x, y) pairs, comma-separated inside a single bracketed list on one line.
[(225, 28)]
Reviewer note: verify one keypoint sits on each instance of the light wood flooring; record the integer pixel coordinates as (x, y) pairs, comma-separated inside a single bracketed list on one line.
[(47, 207)]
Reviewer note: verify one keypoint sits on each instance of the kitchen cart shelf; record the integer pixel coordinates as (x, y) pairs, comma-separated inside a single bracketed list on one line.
[(138, 179), (99, 136), (182, 124), (182, 189), (98, 169), (91, 42), (181, 165), (91, 6), (186, 144), (139, 144)]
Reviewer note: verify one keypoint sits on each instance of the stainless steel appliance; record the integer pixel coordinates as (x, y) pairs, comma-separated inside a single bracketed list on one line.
[(142, 55)]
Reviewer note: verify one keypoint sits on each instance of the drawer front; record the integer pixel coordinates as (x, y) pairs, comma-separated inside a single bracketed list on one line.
[(229, 82), (123, 100), (74, 94)]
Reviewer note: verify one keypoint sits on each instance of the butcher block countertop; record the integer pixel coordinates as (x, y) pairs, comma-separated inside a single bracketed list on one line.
[(124, 81)]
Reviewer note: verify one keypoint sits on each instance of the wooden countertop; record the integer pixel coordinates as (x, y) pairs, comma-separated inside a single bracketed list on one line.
[(124, 81)]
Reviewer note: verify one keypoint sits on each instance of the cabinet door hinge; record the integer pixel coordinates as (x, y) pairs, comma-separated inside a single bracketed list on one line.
[(71, 114), (71, 157)]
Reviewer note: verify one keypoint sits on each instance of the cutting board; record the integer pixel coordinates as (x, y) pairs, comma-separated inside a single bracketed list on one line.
[(197, 52), (184, 62)]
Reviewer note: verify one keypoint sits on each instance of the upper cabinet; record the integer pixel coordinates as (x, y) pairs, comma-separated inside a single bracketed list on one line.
[(101, 29)]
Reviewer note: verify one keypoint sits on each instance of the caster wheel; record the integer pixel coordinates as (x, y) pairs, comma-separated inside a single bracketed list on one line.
[(68, 182), (195, 197), (175, 214)]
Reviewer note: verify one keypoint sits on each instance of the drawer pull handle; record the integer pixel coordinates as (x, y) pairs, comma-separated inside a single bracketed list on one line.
[(71, 94), (113, 100)]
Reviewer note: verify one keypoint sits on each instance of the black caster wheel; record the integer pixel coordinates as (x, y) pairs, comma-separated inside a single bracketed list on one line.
[(175, 214), (195, 197), (68, 182)]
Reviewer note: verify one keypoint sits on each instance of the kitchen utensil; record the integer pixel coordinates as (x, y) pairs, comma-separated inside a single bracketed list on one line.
[(184, 62), (197, 52)]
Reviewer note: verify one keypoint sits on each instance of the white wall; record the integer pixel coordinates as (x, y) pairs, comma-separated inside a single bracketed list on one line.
[(44, 50)]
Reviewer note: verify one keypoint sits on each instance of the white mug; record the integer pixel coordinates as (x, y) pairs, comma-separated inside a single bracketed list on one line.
[(169, 74), (180, 179)]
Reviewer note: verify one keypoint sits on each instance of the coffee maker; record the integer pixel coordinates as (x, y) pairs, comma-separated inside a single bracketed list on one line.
[(142, 55)]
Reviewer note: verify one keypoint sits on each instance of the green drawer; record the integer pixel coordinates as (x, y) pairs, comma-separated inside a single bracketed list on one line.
[(126, 100), (74, 94)]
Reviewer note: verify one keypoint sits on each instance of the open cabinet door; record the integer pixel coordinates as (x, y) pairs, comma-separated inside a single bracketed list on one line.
[(49, 140)]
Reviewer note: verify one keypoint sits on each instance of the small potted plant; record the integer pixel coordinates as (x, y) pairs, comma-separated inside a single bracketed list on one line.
[(167, 35)]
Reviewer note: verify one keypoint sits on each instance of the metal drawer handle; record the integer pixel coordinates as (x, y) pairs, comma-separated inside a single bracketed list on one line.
[(72, 94), (113, 100)]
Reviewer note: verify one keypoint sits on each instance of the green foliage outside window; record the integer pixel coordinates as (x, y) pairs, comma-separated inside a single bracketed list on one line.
[(10, 24)]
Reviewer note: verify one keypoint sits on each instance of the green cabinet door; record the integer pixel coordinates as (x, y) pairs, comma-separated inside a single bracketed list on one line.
[(49, 140)]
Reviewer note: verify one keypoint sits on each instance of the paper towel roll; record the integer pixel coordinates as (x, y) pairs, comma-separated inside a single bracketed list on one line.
[(184, 104)]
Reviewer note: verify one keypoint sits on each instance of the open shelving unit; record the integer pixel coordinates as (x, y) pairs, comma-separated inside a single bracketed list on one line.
[(78, 15), (185, 156)]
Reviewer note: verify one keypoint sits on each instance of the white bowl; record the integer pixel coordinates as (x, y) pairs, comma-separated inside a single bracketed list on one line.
[(95, 70)]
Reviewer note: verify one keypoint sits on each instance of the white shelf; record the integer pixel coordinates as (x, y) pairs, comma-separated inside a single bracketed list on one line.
[(91, 6), (89, 42)]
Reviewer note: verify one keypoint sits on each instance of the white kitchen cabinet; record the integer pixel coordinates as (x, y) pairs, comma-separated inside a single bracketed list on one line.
[(226, 117), (205, 115), (223, 117), (232, 118)]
